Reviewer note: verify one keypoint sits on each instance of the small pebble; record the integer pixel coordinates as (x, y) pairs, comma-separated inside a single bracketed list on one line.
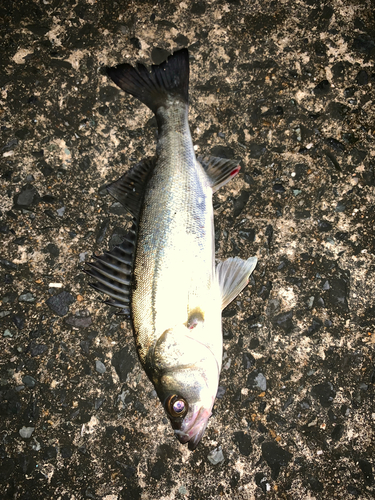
[(324, 392), (275, 456), (216, 456), (26, 432), (29, 381), (37, 349), (340, 207), (326, 285), (8, 264), (257, 380), (81, 319), (244, 442), (36, 446), (310, 301), (220, 392), (98, 403), (26, 297), (27, 197), (297, 130), (99, 366), (284, 320), (19, 321), (82, 256), (60, 303)]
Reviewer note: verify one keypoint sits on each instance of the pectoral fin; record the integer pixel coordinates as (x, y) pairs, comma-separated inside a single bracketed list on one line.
[(233, 275), (219, 170)]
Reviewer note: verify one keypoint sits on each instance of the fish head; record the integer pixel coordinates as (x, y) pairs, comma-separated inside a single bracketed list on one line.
[(188, 400), (186, 381)]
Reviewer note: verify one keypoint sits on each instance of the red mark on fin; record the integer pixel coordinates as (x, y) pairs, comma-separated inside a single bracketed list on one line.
[(235, 171)]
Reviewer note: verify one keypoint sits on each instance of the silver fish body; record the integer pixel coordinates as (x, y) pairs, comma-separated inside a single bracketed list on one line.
[(176, 301), (175, 293)]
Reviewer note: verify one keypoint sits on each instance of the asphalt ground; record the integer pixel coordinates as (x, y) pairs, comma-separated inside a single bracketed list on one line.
[(288, 89)]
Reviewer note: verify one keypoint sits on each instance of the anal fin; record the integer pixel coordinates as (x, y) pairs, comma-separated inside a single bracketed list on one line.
[(233, 275)]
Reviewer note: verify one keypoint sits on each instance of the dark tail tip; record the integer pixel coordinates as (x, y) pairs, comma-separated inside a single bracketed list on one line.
[(168, 79)]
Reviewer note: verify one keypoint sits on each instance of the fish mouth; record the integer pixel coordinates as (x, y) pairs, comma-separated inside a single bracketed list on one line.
[(193, 430)]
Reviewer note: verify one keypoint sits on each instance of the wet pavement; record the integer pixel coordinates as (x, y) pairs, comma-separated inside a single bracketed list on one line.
[(288, 89)]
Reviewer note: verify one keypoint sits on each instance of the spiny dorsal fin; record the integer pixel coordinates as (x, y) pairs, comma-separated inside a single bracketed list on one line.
[(233, 275), (219, 170), (130, 188), (113, 271)]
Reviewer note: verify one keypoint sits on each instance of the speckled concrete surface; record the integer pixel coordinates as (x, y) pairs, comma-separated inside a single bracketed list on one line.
[(288, 88)]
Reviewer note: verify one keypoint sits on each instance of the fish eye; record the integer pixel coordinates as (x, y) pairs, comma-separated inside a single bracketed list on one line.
[(176, 406)]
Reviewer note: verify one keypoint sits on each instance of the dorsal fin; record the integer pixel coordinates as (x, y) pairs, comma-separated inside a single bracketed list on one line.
[(219, 170), (114, 270), (130, 188)]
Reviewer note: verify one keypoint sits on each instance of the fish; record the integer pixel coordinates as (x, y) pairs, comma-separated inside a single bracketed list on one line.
[(163, 276)]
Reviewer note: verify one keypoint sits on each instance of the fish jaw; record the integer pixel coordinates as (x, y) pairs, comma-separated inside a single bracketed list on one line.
[(191, 431)]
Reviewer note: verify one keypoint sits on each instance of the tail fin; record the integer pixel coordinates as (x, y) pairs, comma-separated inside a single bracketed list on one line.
[(168, 79)]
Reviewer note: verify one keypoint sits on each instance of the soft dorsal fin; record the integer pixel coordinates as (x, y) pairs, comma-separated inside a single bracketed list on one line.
[(219, 170), (130, 188), (233, 275)]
